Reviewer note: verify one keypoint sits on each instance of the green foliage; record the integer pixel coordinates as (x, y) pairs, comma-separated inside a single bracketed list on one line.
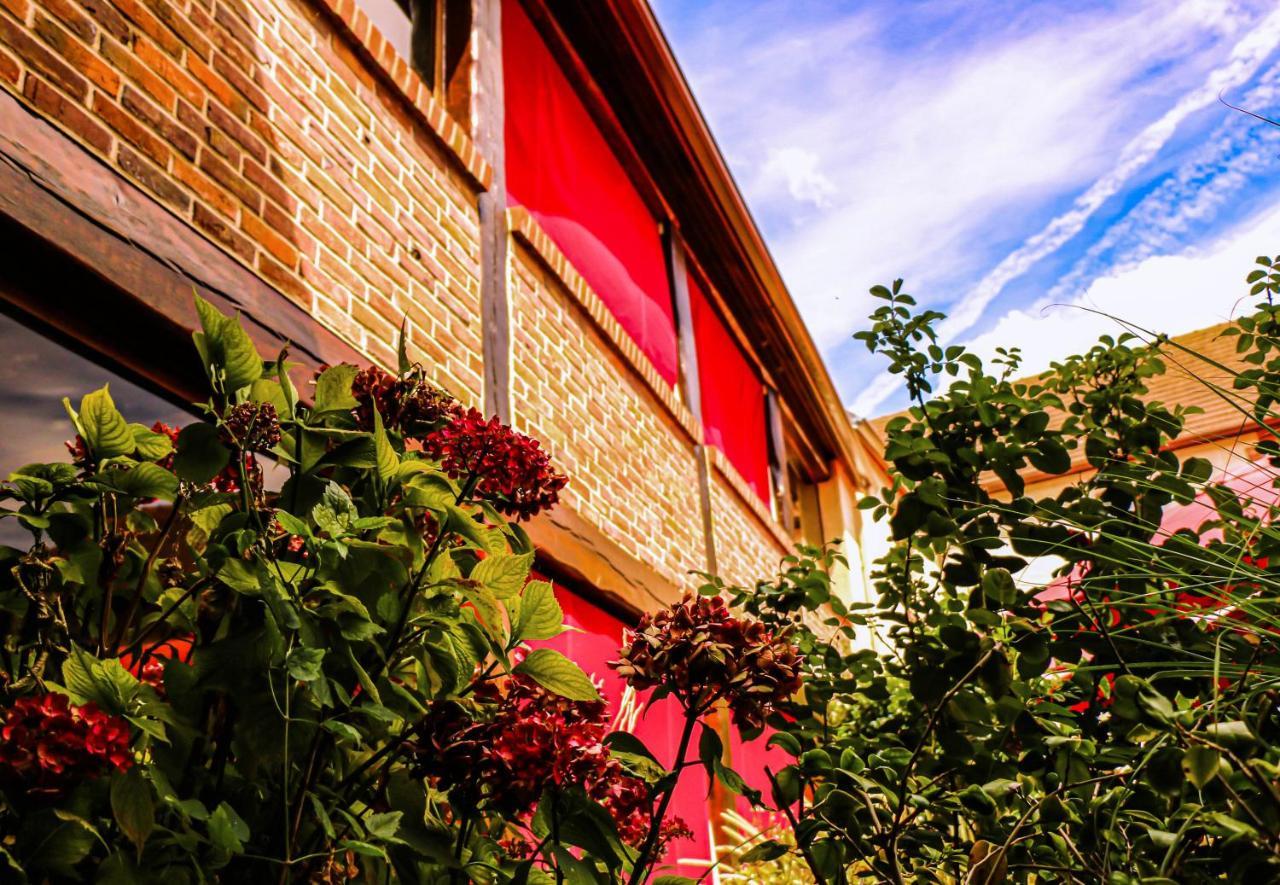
[(1122, 728), (270, 659)]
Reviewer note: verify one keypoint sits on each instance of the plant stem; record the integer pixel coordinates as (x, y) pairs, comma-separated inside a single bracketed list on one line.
[(643, 859), (122, 629)]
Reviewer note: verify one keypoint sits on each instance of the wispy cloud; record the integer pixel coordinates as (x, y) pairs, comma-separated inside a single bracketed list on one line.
[(955, 144)]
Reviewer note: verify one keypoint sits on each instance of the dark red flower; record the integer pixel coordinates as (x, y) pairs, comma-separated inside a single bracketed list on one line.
[(48, 745), (253, 427), (408, 404), (529, 741), (701, 652), (509, 469)]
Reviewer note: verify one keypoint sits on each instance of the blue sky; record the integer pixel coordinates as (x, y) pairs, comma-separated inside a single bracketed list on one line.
[(1018, 163)]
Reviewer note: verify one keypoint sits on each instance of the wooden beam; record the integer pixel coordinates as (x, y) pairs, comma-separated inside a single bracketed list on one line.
[(778, 460), (87, 252), (690, 379), (495, 307)]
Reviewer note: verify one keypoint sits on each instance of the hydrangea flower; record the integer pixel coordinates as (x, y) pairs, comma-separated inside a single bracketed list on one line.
[(700, 652), (407, 404), (510, 470), (535, 740), (48, 744)]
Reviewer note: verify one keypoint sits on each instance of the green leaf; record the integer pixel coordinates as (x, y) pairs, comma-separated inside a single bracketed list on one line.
[(503, 574), (151, 446), (540, 614), (335, 512), (227, 830), (105, 430), (677, 880), (388, 460), (201, 454), (145, 480), (556, 673), (1200, 765), (383, 826), (402, 348), (764, 851), (231, 360), (133, 805), (333, 389), (105, 683), (304, 663)]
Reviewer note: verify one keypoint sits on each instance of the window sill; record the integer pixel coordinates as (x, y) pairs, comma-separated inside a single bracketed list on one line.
[(378, 56), (724, 467), (526, 229)]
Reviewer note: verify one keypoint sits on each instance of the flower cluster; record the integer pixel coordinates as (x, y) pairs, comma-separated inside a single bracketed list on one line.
[(253, 427), (534, 740), (48, 745), (509, 469), (227, 481), (407, 404), (700, 652)]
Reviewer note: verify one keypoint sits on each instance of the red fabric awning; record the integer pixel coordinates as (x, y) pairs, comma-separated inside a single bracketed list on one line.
[(592, 644), (561, 169), (733, 410)]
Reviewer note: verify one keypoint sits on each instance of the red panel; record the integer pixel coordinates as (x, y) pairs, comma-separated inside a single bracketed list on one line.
[(562, 170), (592, 645), (733, 411)]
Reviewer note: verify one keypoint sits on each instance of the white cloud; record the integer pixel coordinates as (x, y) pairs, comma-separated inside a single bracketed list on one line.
[(796, 169), (928, 154), (1169, 294), (1241, 64)]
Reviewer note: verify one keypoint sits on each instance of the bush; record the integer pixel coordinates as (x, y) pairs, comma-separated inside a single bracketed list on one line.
[(1122, 728), (208, 680)]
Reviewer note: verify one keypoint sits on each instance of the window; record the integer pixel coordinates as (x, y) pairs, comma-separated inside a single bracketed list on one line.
[(734, 418), (561, 168), (36, 373), (435, 36)]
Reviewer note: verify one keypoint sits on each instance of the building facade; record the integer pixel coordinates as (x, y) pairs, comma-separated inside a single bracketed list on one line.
[(527, 186)]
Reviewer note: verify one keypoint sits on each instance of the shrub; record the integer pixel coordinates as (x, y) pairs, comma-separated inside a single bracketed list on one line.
[(207, 679), (1120, 729)]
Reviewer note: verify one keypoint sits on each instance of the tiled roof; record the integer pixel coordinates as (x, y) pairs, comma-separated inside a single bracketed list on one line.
[(1198, 365)]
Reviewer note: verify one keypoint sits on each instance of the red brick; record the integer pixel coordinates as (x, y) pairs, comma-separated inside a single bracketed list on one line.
[(130, 130), (234, 27), (285, 226), (19, 8), (81, 57), (220, 172), (280, 248), (153, 179), (180, 25), (223, 146), (269, 186), (218, 87), (151, 26), (242, 83), (37, 56), (178, 137), (75, 20), (9, 68), (69, 114), (111, 21), (204, 188), (222, 232), (164, 68), (123, 60), (283, 279), (223, 120)]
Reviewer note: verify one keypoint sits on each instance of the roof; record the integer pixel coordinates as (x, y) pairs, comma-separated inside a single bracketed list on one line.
[(1199, 371), (621, 46)]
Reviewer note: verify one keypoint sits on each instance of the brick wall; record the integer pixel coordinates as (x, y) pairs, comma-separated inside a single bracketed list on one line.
[(749, 543), (291, 135), (321, 164), (580, 385)]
